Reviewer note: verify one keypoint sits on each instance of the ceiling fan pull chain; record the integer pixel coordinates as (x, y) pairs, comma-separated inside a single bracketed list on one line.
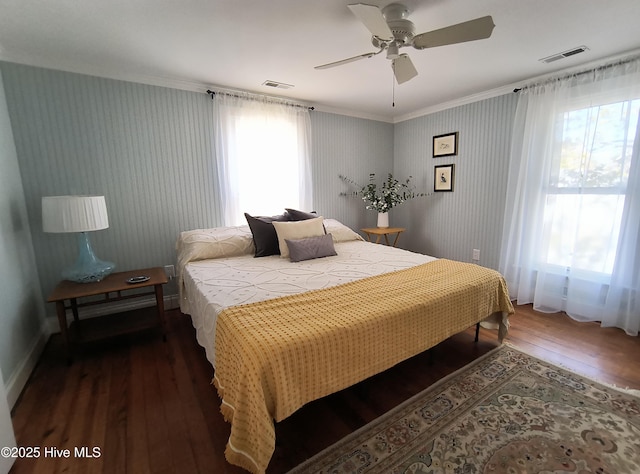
[(393, 86)]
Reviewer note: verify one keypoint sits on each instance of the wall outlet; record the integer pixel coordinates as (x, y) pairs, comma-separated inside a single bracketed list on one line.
[(170, 271), (476, 255)]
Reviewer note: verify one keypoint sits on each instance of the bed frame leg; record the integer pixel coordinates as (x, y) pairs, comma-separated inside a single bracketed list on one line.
[(477, 332)]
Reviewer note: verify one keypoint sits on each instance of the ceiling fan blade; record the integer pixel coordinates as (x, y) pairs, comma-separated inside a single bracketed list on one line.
[(403, 68), (372, 18), (480, 28), (348, 60)]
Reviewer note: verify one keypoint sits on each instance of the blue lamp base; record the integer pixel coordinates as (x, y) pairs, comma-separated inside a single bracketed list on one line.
[(88, 268)]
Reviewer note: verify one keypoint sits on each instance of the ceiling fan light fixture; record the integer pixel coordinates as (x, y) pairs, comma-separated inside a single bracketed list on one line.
[(392, 51)]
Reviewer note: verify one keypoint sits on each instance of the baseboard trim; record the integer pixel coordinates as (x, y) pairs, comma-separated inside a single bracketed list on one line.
[(17, 381)]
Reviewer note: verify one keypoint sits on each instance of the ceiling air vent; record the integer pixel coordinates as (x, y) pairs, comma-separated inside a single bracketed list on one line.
[(564, 54), (277, 85)]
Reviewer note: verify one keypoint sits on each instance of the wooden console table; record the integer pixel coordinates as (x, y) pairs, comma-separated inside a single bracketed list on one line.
[(112, 287), (383, 231)]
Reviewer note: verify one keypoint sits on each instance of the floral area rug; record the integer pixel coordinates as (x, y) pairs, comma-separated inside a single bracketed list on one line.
[(506, 412)]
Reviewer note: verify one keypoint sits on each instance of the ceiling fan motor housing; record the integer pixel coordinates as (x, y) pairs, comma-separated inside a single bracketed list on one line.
[(403, 29)]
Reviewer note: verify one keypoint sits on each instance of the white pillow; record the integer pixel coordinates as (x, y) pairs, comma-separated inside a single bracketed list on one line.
[(297, 230), (219, 242), (339, 231)]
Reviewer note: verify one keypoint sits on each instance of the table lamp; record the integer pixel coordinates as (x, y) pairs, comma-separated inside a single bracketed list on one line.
[(81, 214)]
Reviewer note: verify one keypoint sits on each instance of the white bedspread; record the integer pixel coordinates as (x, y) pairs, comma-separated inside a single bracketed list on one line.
[(215, 284)]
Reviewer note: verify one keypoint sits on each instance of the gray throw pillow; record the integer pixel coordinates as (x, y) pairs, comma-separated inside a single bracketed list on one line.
[(311, 247), (265, 238), (296, 215)]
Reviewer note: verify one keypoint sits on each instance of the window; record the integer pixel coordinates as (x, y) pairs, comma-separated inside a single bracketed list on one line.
[(587, 183), (267, 154), (572, 213), (262, 156)]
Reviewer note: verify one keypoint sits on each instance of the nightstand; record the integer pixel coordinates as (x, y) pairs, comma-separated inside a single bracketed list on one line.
[(113, 288), (383, 231)]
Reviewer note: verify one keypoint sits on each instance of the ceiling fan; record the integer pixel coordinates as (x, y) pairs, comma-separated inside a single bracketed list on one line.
[(392, 30)]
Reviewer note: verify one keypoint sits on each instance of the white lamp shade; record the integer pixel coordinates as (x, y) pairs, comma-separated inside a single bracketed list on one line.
[(74, 213)]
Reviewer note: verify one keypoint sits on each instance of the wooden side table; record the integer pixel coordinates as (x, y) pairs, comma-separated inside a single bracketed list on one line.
[(383, 231), (112, 287)]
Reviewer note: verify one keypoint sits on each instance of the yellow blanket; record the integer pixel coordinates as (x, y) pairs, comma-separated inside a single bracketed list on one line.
[(274, 356)]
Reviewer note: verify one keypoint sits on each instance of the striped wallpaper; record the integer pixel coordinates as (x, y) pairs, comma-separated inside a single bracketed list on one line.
[(146, 149), (149, 150), (351, 147), (452, 224)]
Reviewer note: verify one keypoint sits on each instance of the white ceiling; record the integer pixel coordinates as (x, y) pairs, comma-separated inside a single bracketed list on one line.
[(239, 44)]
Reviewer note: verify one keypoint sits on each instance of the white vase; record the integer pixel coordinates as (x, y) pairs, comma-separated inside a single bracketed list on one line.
[(383, 219)]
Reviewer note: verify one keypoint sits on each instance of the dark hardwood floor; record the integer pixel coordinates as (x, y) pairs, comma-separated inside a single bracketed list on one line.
[(148, 405)]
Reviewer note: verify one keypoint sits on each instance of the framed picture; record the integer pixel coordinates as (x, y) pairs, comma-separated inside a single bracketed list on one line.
[(445, 145), (443, 176)]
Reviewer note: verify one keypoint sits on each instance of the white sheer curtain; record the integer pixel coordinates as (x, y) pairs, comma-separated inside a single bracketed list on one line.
[(262, 154), (571, 238)]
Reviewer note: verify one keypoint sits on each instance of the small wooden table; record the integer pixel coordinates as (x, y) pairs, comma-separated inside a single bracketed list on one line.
[(110, 325), (384, 231)]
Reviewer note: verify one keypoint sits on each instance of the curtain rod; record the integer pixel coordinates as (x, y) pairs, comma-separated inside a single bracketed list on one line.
[(290, 104), (580, 73)]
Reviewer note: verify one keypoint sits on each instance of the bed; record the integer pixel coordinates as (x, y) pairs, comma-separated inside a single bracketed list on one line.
[(280, 333)]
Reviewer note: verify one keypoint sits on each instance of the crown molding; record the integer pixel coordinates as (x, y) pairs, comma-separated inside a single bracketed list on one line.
[(194, 86), (470, 99), (352, 113), (509, 88)]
